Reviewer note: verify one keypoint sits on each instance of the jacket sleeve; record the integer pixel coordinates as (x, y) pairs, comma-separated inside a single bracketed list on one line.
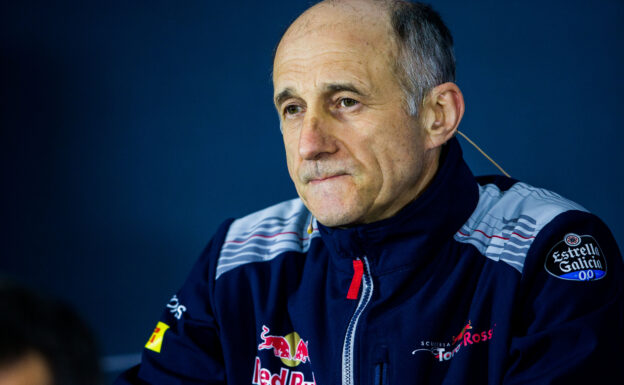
[(568, 318), (184, 347)]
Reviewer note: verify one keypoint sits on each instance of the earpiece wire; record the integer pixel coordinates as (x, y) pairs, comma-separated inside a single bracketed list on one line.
[(483, 153)]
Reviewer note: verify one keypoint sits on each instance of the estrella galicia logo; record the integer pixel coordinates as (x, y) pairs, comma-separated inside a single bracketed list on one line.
[(576, 258)]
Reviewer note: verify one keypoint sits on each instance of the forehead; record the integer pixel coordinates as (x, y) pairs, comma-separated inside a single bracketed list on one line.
[(332, 44)]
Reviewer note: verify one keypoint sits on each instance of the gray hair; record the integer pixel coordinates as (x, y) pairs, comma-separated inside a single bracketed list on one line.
[(425, 57)]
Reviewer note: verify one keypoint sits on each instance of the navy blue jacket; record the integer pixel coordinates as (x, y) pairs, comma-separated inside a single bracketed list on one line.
[(478, 281)]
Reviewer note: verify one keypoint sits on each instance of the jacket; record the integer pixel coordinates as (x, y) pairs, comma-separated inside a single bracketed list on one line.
[(477, 281)]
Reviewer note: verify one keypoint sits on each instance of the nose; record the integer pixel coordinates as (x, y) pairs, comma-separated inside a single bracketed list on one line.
[(316, 139)]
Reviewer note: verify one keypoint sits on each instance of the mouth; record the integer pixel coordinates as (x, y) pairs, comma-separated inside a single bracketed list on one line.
[(325, 178)]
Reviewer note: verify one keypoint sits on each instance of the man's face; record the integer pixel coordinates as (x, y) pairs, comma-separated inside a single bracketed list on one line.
[(353, 152)]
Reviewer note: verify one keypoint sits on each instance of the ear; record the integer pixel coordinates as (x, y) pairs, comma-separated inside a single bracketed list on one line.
[(442, 111)]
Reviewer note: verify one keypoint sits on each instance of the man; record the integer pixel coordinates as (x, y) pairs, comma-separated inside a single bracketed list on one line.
[(395, 266)]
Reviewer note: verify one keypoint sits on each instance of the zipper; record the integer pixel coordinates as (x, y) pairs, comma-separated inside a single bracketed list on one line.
[(349, 342)]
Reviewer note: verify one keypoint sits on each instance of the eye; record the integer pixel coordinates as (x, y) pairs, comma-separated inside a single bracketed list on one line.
[(292, 109), (348, 102)]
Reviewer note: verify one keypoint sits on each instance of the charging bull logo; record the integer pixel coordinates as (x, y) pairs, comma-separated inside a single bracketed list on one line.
[(291, 349), (280, 346), (301, 353)]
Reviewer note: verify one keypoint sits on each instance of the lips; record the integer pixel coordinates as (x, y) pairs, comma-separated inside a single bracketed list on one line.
[(325, 178), (317, 171)]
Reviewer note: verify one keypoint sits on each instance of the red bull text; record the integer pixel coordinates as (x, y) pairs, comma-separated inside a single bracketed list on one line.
[(286, 376)]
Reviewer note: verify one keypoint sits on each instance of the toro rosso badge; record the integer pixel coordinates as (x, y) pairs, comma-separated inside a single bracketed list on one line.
[(576, 258)]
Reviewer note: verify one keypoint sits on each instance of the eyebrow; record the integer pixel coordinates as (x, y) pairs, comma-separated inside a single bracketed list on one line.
[(328, 88), (338, 87), (285, 94)]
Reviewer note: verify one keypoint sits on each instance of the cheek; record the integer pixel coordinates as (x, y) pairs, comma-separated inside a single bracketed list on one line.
[(400, 160), (292, 155)]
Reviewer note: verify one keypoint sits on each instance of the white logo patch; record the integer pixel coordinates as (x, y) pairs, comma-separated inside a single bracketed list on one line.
[(175, 307)]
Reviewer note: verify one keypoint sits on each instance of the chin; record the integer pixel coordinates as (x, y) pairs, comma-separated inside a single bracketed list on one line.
[(335, 216), (332, 222)]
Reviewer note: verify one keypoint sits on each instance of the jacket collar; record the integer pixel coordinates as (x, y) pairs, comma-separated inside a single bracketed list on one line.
[(419, 229)]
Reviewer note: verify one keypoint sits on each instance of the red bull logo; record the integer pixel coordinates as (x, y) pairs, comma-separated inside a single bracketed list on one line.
[(291, 349), (301, 353), (280, 346)]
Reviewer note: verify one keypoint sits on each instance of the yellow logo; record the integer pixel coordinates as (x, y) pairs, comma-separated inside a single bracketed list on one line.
[(155, 341)]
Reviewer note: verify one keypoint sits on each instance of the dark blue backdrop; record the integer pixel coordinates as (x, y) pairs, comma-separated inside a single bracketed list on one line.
[(130, 130)]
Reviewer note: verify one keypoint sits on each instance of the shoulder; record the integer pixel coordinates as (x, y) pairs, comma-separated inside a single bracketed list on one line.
[(508, 218), (266, 234)]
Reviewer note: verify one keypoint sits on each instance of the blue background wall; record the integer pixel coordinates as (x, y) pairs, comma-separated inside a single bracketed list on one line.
[(130, 130)]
